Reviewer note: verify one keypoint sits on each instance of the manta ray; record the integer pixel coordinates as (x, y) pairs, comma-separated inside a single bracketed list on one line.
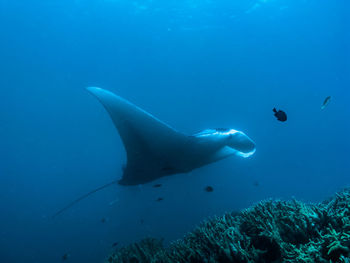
[(154, 149)]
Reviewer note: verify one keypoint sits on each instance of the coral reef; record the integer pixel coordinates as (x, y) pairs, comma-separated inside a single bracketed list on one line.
[(271, 231)]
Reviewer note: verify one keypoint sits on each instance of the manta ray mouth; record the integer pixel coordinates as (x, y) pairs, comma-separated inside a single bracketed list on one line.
[(241, 143), (245, 154), (245, 151)]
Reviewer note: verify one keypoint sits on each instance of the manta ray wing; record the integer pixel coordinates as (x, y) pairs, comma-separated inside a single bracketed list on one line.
[(151, 145)]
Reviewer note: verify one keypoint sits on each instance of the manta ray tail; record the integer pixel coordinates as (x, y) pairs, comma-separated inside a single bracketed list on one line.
[(83, 197)]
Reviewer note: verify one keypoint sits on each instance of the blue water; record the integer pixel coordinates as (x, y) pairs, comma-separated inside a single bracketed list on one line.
[(193, 64)]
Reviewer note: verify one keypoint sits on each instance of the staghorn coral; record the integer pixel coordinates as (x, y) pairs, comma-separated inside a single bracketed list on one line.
[(270, 231)]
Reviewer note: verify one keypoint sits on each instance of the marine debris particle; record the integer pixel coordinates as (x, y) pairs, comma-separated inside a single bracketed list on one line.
[(326, 102), (157, 185), (271, 231), (280, 115), (209, 189), (113, 202), (160, 199)]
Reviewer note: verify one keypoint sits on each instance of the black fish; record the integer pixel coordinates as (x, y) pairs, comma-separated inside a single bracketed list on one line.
[(104, 220), (65, 256), (115, 244), (157, 185), (209, 189), (280, 115), (160, 199)]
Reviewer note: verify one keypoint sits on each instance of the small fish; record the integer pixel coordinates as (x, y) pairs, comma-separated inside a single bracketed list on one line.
[(160, 199), (142, 221), (104, 220), (115, 244), (209, 189), (326, 102), (256, 183), (65, 256), (157, 185), (280, 115)]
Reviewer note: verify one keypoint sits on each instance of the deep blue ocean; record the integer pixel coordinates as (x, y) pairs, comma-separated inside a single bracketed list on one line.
[(194, 65)]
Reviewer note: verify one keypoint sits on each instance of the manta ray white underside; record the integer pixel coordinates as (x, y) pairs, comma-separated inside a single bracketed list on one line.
[(154, 149)]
